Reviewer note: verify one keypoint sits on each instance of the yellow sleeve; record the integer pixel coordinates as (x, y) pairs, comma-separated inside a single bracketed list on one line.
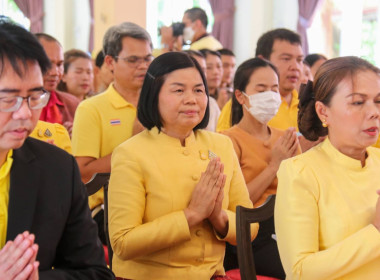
[(130, 236), (297, 228), (86, 135), (62, 138), (224, 121), (238, 195), (52, 133)]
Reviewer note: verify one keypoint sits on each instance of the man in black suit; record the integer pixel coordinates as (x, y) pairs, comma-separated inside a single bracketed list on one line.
[(46, 229)]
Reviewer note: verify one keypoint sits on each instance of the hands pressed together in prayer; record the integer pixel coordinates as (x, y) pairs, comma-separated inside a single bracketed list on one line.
[(207, 198), (285, 147), (18, 258)]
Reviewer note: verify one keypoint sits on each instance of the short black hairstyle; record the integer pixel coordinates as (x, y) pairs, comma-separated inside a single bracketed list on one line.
[(46, 37), (197, 13), (19, 45), (265, 43), (194, 53), (99, 60), (207, 52), (314, 57), (147, 107), (226, 52), (241, 80)]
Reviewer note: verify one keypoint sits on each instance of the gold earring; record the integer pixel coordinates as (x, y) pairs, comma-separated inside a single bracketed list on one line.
[(324, 124)]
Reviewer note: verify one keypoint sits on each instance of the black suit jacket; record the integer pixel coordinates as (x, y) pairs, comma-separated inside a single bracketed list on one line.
[(47, 198)]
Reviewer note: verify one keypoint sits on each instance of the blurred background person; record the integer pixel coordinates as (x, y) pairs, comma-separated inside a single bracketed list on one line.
[(315, 60), (105, 120), (193, 31), (62, 105), (102, 74), (327, 211), (260, 149), (229, 66), (78, 75), (174, 187), (305, 75), (213, 105)]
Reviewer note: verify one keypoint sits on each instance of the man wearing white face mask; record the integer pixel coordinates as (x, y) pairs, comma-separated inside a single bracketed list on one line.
[(195, 20), (194, 32)]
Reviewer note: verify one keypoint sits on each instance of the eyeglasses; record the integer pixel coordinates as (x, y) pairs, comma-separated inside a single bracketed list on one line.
[(134, 61), (36, 100)]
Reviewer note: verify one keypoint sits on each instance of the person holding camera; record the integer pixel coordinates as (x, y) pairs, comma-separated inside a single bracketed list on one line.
[(192, 30)]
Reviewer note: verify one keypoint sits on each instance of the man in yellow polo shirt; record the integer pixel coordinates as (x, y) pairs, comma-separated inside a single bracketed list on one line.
[(282, 47), (104, 121)]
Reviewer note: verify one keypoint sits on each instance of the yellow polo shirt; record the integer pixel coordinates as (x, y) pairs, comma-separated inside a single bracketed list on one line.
[(286, 116), (101, 123), (207, 42), (4, 196), (52, 133)]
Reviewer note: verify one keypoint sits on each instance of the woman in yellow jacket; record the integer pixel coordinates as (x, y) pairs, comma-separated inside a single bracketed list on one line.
[(174, 187), (327, 212)]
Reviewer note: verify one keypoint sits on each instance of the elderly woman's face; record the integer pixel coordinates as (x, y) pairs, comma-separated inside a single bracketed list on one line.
[(353, 115), (182, 101)]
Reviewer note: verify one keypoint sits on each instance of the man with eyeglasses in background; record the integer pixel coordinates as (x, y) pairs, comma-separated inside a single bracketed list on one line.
[(46, 230), (106, 120)]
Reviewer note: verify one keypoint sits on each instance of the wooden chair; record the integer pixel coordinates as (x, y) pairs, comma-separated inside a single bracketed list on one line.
[(244, 218), (97, 181)]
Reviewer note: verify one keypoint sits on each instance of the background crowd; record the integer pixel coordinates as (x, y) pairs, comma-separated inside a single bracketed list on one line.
[(186, 135)]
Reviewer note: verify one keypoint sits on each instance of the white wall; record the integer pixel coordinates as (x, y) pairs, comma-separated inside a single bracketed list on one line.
[(68, 21), (255, 17)]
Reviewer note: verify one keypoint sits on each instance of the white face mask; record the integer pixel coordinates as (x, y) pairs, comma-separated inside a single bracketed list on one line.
[(188, 34), (263, 105)]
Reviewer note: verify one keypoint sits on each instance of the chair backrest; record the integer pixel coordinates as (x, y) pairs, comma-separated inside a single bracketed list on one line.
[(110, 252), (97, 181), (244, 218)]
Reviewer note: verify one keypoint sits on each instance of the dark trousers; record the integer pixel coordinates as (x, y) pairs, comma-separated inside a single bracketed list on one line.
[(265, 253)]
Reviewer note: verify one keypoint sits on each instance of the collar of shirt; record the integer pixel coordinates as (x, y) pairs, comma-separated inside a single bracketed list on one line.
[(116, 99)]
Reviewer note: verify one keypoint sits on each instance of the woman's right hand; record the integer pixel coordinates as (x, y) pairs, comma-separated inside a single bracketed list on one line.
[(285, 147), (205, 193), (376, 220)]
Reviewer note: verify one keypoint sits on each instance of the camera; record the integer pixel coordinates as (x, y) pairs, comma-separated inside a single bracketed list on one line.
[(177, 28)]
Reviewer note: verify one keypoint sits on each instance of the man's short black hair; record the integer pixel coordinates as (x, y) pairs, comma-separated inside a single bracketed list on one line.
[(226, 52), (197, 13), (314, 57), (194, 53), (265, 43), (207, 52), (19, 45), (147, 108)]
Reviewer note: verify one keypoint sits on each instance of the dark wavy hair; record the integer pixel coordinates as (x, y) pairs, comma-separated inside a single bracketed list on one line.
[(147, 108), (326, 80)]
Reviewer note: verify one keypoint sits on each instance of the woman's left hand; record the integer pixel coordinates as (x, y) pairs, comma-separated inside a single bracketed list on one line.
[(218, 217)]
